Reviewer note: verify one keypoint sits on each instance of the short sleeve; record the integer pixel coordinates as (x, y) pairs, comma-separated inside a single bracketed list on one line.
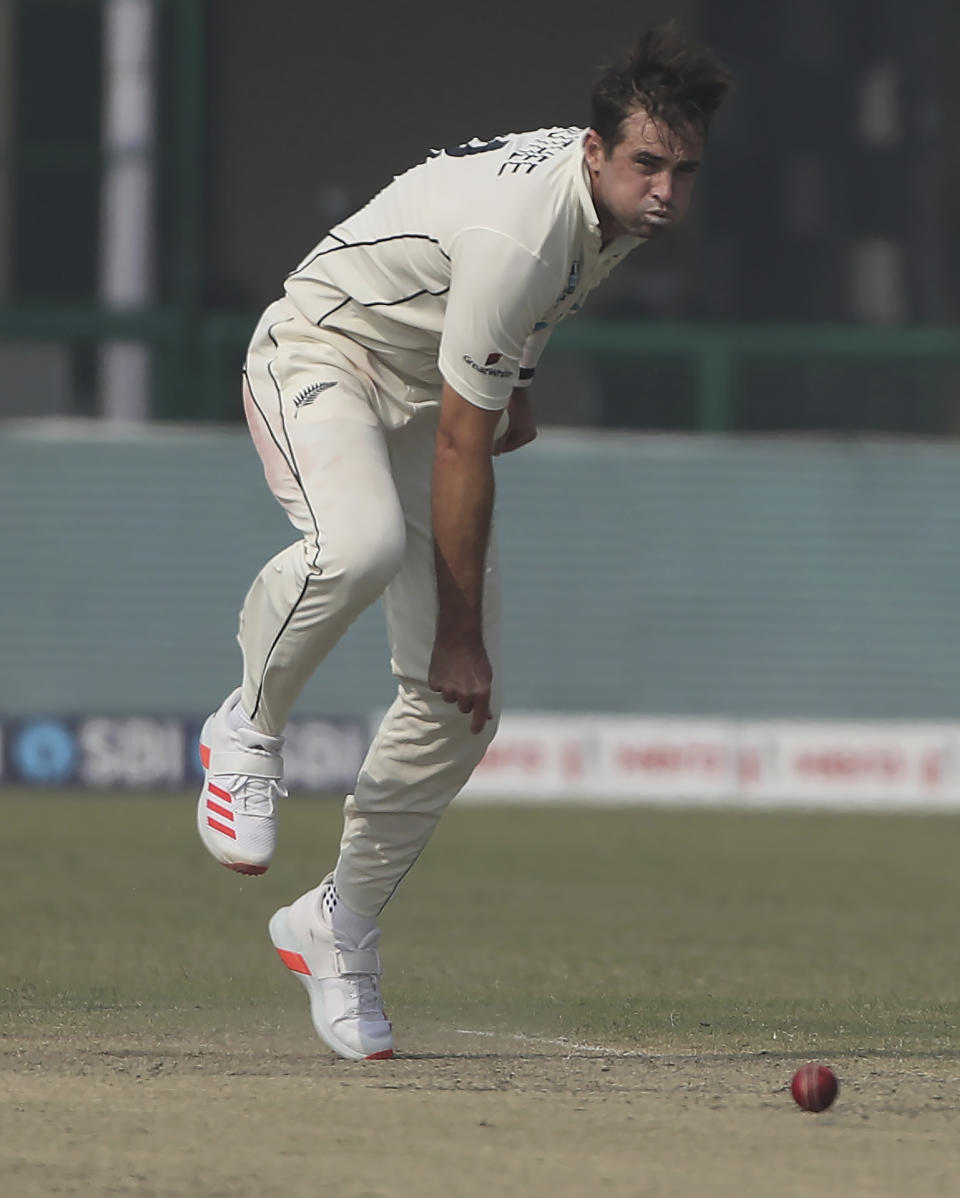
[(535, 344), (498, 290)]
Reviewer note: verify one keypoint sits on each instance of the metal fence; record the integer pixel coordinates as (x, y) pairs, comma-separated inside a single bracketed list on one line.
[(196, 360), (56, 160)]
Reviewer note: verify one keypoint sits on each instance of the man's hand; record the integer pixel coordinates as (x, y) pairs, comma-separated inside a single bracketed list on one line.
[(462, 675), (523, 423)]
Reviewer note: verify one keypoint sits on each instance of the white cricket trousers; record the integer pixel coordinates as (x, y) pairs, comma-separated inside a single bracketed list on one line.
[(359, 495)]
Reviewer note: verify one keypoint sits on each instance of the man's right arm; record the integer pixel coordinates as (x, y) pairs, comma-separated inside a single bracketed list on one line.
[(462, 511), (498, 290)]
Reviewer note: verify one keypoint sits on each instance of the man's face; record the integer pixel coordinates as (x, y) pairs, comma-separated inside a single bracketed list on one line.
[(643, 185)]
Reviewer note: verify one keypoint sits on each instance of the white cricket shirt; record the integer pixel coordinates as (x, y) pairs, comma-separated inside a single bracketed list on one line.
[(460, 269)]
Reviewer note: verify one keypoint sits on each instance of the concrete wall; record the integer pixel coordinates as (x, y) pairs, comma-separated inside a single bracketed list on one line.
[(694, 576)]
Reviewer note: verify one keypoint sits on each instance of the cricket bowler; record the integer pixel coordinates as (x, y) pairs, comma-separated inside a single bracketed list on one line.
[(378, 389)]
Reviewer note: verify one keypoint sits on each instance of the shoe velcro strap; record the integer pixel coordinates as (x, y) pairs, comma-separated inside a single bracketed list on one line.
[(259, 765), (357, 960)]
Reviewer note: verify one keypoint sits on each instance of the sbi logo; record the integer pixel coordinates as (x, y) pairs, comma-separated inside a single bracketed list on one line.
[(44, 751)]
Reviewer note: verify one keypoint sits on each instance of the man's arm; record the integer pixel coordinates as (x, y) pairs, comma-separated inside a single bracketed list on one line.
[(462, 509)]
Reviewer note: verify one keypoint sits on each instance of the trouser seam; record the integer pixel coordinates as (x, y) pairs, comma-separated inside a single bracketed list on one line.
[(276, 641)]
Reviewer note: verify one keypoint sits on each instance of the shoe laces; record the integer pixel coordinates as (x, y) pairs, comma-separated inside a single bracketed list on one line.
[(363, 988), (364, 992), (256, 796), (253, 795)]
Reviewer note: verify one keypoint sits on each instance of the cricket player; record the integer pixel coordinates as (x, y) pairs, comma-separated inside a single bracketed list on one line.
[(377, 390)]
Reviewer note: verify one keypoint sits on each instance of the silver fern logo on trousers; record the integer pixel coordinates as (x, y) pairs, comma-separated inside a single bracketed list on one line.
[(309, 394)]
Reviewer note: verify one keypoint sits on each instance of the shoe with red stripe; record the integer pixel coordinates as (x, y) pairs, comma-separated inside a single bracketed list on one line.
[(342, 979), (242, 784)]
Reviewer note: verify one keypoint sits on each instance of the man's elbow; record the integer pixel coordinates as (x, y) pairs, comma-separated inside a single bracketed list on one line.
[(465, 430), (459, 445)]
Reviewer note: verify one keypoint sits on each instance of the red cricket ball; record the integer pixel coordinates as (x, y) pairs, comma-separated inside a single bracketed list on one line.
[(814, 1087)]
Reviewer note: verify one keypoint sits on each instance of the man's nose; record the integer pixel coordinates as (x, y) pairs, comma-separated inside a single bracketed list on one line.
[(662, 189)]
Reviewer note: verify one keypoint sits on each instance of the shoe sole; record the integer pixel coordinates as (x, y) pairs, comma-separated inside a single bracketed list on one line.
[(286, 944), (247, 868)]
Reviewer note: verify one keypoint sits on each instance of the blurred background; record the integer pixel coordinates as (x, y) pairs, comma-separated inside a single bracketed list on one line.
[(745, 503), (167, 162)]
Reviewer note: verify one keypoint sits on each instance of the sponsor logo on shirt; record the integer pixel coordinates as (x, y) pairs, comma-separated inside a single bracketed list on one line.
[(572, 281), (489, 368)]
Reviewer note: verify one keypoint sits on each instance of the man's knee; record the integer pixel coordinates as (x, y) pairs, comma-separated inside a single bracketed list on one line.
[(363, 563)]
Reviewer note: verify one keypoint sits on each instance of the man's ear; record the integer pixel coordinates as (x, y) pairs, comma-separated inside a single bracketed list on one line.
[(594, 148)]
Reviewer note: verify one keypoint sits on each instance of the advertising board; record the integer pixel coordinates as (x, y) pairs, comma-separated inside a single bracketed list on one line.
[(160, 752)]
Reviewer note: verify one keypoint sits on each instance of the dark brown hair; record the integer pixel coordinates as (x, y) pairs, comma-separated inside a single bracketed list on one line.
[(668, 75)]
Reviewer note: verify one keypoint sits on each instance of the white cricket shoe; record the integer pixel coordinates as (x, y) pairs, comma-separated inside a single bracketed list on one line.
[(341, 979), (237, 809)]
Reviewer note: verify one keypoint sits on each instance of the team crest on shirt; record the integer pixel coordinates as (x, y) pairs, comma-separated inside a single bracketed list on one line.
[(309, 394)]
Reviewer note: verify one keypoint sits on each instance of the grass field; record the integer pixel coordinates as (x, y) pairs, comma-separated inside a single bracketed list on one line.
[(582, 1000)]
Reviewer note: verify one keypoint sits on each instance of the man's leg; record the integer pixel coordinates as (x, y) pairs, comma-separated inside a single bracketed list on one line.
[(329, 467), (421, 756), (330, 470), (424, 750)]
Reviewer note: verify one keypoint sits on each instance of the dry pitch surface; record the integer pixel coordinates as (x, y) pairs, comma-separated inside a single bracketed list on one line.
[(611, 1001)]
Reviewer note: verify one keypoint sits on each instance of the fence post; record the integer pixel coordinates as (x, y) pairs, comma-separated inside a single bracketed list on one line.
[(190, 17)]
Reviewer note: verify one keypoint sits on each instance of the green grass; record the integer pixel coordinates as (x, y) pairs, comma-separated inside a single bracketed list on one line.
[(657, 930)]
